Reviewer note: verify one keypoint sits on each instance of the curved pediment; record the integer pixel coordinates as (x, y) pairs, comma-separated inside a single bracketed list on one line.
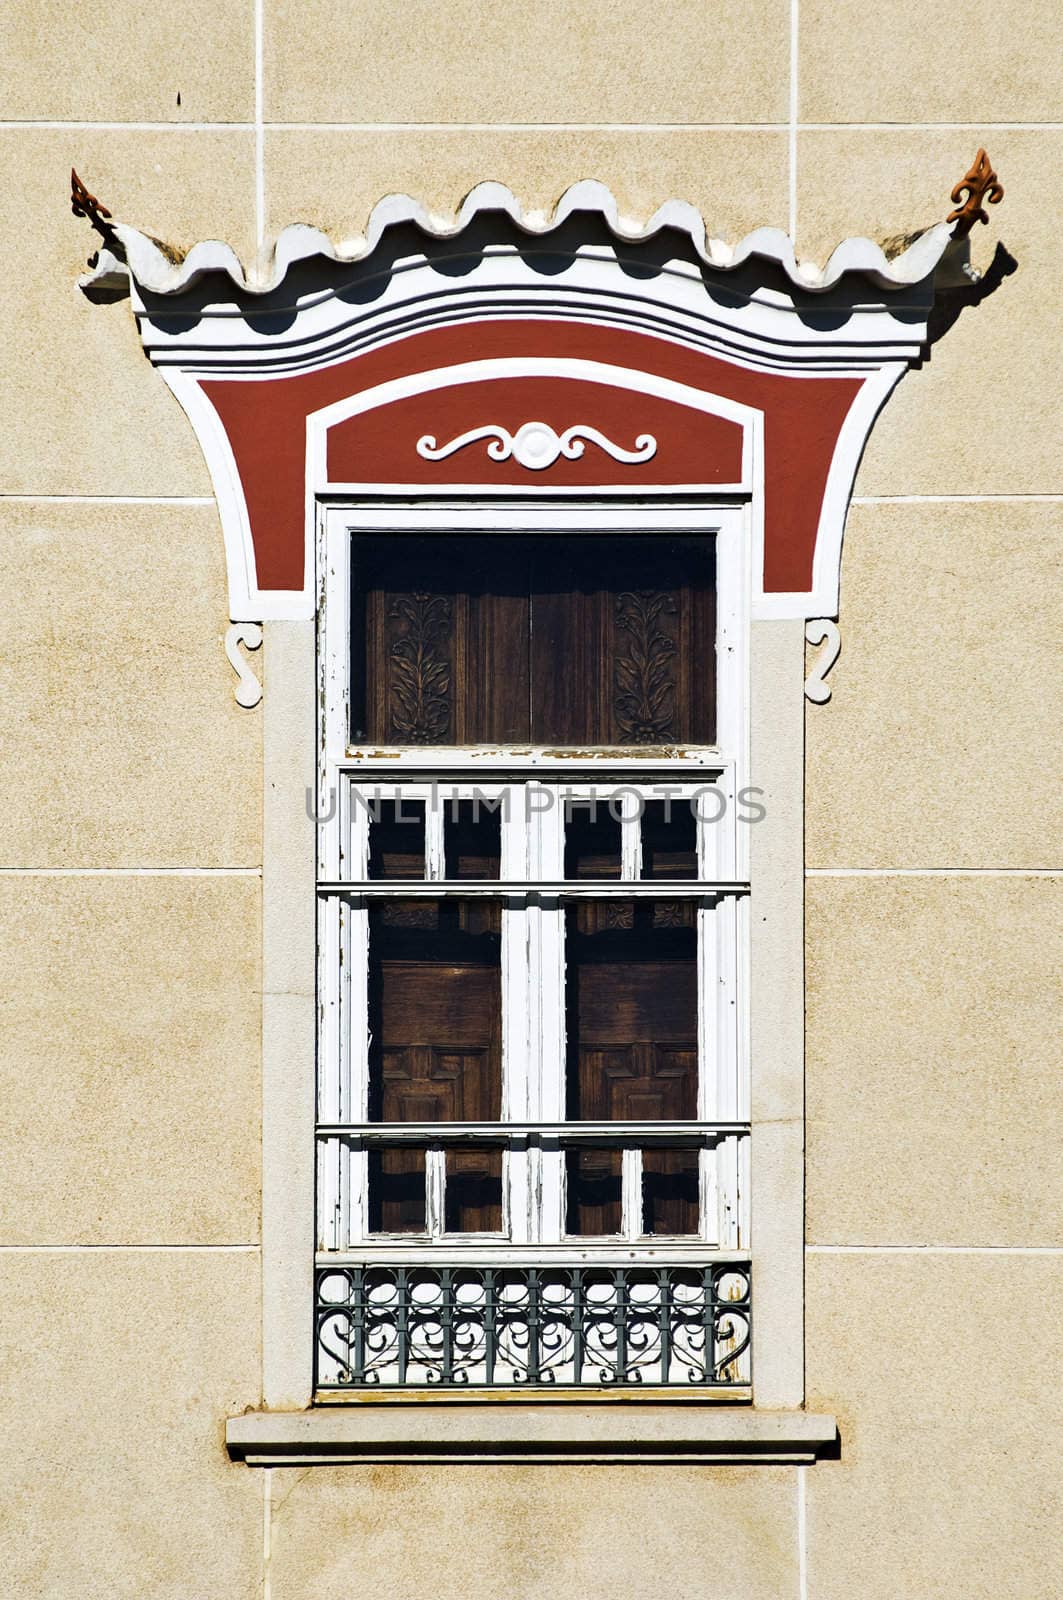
[(515, 355)]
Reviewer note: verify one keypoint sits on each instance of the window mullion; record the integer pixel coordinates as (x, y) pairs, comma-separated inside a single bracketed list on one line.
[(356, 1043), (517, 1021), (631, 1192), (435, 1162), (631, 837), (434, 846), (547, 1065), (331, 1220)]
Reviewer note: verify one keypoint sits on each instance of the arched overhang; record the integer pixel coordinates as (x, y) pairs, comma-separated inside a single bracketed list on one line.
[(501, 358)]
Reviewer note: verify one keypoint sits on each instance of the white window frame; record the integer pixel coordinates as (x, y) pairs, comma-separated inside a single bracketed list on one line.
[(533, 1003), (292, 769), (292, 1428), (533, 1228)]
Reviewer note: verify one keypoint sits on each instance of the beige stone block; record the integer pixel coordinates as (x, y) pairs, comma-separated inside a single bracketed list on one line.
[(84, 411), (929, 61), (129, 1060), (737, 179), (123, 745), (477, 1533), (941, 743), (933, 1096), (119, 1371), (941, 1371), (603, 61), (128, 62), (982, 415)]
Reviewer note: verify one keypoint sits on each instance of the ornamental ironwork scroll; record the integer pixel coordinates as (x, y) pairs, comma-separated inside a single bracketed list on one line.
[(475, 1327)]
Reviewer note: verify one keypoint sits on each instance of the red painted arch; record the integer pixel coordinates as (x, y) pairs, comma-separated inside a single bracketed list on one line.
[(379, 446), (265, 421)]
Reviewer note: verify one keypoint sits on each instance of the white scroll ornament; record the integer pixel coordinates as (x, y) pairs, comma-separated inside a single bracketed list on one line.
[(536, 445)]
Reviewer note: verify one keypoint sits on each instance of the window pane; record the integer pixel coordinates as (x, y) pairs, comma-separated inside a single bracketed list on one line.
[(623, 641), (396, 839), (669, 839), (435, 1016), (631, 1014), (592, 840), (670, 1191), (397, 1190), (472, 838), (593, 1190), (493, 639), (474, 1190), (440, 635)]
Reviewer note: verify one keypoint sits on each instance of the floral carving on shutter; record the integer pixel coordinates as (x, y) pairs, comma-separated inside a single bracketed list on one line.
[(419, 708), (644, 677)]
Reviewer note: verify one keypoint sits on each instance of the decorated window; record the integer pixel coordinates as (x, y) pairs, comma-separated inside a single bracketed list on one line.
[(534, 515), (533, 1135)]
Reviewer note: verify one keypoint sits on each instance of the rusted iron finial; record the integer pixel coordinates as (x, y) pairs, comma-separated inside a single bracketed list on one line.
[(978, 184), (84, 204)]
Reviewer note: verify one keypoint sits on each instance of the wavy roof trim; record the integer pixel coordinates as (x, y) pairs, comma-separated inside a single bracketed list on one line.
[(157, 272)]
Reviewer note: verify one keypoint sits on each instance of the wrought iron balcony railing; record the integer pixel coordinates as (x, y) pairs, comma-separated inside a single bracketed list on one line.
[(586, 1326)]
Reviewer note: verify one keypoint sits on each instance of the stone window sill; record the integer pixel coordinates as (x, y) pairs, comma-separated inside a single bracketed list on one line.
[(523, 1430)]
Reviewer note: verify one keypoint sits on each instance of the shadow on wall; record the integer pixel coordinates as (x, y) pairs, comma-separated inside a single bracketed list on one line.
[(949, 304)]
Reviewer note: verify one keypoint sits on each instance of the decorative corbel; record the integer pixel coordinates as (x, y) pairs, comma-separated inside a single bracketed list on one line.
[(826, 633), (248, 691)]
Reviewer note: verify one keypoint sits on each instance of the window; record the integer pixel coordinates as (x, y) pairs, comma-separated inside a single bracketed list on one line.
[(533, 1138)]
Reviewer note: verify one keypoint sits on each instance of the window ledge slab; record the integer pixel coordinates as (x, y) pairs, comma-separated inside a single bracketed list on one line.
[(499, 1431)]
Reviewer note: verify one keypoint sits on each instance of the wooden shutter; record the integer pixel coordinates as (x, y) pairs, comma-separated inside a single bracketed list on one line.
[(496, 639)]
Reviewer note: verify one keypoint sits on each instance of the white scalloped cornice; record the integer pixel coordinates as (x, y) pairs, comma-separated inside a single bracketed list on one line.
[(540, 355), (153, 270)]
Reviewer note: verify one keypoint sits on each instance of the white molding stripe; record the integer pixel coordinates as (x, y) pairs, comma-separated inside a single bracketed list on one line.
[(950, 499), (210, 500), (933, 872), (934, 1249), (792, 130), (260, 167), (267, 1534), (129, 127), (802, 1534), (810, 1249), (13, 124), (927, 127), (128, 1249), (110, 499), (530, 127), (130, 872), (655, 127)]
